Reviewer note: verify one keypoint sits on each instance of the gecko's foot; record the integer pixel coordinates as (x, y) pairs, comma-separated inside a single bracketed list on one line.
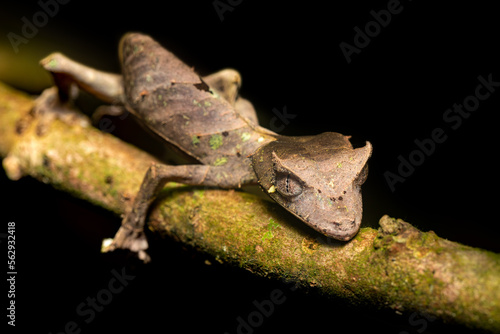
[(48, 106), (130, 239), (107, 110)]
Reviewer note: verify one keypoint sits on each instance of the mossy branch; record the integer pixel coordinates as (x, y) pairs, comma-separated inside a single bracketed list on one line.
[(395, 267)]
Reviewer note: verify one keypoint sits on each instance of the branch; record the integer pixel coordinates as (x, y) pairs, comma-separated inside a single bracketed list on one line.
[(395, 267)]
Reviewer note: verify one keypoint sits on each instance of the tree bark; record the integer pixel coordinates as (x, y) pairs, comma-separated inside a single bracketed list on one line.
[(395, 267)]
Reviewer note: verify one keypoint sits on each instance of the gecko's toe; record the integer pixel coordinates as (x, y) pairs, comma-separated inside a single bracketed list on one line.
[(130, 240), (48, 107), (144, 256)]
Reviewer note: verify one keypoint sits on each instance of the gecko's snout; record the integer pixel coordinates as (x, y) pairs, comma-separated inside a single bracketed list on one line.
[(343, 229)]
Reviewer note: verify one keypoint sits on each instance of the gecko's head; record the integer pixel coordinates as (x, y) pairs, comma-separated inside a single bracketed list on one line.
[(317, 178)]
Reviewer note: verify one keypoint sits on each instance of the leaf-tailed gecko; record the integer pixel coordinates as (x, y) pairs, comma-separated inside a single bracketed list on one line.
[(316, 178)]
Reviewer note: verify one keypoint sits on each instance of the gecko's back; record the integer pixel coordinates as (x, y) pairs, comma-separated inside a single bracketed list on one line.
[(180, 107)]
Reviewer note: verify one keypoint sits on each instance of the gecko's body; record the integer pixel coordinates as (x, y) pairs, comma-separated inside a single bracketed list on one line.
[(317, 178), (180, 107)]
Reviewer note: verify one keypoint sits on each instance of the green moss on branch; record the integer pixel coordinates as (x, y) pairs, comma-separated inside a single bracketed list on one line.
[(395, 267)]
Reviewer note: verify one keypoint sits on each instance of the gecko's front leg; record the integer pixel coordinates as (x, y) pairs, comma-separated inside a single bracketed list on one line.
[(131, 234)]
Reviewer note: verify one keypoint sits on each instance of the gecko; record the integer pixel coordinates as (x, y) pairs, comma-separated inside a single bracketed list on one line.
[(316, 178)]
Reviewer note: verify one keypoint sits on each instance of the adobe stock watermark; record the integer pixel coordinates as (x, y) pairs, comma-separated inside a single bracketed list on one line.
[(453, 118), (223, 6), (419, 320), (372, 29), (30, 28), (262, 310), (88, 309), (280, 120), (103, 122)]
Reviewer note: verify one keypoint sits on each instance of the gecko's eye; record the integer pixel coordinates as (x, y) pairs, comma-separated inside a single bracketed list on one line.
[(288, 185)]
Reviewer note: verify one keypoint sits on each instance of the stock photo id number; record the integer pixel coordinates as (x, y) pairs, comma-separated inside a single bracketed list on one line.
[(11, 272)]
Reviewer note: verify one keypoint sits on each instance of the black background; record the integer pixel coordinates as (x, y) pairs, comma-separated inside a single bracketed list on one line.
[(395, 91)]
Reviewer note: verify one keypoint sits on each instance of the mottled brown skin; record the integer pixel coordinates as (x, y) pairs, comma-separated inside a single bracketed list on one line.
[(317, 178), (175, 102)]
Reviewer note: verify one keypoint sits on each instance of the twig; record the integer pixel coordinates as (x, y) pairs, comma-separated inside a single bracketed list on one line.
[(396, 267)]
